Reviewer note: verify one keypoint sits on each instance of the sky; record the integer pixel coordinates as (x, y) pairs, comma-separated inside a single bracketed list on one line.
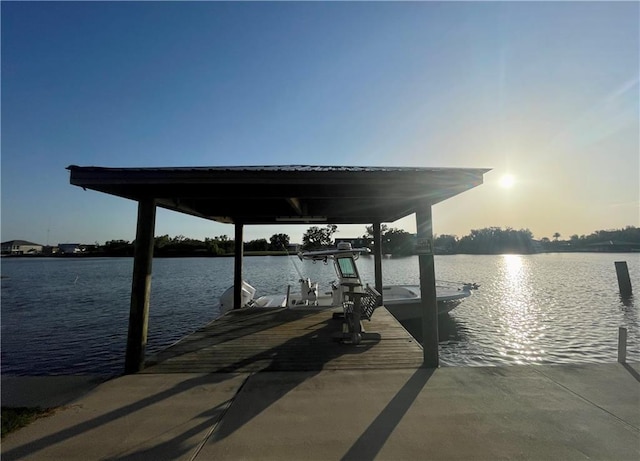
[(543, 93)]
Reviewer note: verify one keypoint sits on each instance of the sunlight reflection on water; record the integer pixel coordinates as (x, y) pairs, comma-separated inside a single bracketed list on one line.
[(545, 308), (522, 321)]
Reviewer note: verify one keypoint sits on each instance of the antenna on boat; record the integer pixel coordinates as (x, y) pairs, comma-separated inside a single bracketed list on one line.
[(292, 261)]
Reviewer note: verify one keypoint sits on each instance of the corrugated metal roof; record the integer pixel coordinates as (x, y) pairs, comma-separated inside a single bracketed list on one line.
[(266, 194), (283, 168), (19, 242)]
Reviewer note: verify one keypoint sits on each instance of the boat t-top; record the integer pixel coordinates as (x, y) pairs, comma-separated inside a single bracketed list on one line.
[(348, 292)]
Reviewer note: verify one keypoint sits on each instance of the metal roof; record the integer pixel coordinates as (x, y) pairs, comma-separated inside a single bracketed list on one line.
[(19, 242), (293, 194)]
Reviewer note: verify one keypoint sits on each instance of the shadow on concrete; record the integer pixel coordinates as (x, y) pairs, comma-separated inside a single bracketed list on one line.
[(375, 436), (292, 353), (178, 446), (34, 446), (309, 348), (632, 371)]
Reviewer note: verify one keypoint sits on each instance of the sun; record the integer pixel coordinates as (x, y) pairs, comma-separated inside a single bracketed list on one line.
[(507, 181)]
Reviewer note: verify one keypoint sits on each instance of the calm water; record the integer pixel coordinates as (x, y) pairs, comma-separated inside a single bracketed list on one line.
[(69, 316)]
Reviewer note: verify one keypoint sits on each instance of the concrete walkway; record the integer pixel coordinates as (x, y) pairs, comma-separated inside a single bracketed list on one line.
[(45, 391), (485, 413)]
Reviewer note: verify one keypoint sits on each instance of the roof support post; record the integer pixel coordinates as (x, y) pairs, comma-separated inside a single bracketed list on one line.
[(140, 286), (237, 268), (427, 286), (377, 257)]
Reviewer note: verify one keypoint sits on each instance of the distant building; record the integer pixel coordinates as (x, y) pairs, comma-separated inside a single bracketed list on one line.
[(50, 250), (69, 248), (20, 247)]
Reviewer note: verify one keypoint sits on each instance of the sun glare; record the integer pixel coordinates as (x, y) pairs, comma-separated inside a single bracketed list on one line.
[(507, 181)]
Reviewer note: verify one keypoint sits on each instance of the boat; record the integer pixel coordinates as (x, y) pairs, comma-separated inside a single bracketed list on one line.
[(403, 301)]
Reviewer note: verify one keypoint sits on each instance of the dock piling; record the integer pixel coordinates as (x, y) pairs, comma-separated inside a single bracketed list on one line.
[(624, 281), (426, 266), (140, 287), (622, 345)]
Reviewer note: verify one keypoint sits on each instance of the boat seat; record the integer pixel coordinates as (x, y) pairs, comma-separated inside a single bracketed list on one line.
[(308, 291), (368, 303)]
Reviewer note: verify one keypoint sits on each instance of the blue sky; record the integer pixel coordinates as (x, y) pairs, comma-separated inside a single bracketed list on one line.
[(546, 92)]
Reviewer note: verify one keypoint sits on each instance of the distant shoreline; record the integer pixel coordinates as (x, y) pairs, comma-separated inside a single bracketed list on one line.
[(281, 253), (176, 255)]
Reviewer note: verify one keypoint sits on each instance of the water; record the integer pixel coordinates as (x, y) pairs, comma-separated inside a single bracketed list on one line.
[(70, 316)]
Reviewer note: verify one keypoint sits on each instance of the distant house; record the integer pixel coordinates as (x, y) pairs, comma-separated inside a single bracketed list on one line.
[(20, 247), (50, 250), (69, 248)]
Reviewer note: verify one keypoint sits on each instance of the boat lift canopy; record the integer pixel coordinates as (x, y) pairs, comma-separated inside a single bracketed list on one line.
[(249, 195), (284, 194)]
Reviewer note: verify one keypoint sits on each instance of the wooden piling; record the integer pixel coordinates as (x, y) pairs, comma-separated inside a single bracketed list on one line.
[(624, 281), (622, 345), (377, 256), (424, 249), (140, 287), (237, 268)]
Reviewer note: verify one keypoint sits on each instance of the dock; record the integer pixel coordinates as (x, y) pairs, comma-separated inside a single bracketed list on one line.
[(276, 385), (276, 339)]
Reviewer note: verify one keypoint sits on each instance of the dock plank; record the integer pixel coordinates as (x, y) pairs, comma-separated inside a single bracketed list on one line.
[(251, 340)]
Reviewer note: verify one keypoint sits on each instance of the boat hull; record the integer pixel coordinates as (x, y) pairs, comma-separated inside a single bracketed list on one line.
[(409, 297), (412, 310), (403, 301)]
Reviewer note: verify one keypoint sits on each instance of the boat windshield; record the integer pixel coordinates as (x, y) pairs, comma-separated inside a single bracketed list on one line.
[(347, 267)]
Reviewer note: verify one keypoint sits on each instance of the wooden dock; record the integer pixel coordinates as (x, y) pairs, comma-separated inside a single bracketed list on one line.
[(301, 339)]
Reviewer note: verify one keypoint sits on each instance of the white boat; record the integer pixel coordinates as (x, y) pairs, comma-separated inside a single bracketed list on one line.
[(402, 301), (448, 294)]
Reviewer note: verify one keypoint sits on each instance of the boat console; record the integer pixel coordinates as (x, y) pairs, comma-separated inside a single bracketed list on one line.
[(358, 302)]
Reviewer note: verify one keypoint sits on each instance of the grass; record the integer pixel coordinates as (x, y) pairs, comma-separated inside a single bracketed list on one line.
[(15, 418)]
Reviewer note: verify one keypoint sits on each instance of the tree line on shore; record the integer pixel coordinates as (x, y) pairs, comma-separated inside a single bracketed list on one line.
[(180, 245), (490, 240), (495, 240)]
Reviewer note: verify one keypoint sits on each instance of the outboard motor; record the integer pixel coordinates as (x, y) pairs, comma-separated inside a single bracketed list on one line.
[(226, 300)]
